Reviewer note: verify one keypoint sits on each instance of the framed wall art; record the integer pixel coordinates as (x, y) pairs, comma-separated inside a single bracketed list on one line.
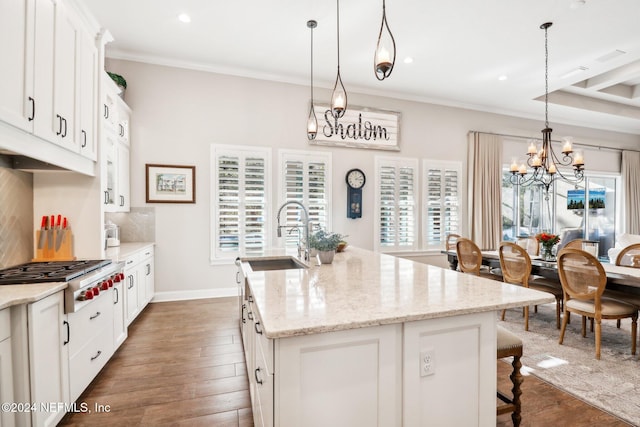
[(171, 184)]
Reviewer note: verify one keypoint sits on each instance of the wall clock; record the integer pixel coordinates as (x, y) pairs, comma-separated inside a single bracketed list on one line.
[(355, 181)]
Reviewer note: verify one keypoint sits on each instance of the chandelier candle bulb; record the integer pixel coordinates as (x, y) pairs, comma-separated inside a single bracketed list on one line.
[(536, 162), (566, 148), (532, 149), (523, 169), (578, 160), (514, 166), (552, 169)]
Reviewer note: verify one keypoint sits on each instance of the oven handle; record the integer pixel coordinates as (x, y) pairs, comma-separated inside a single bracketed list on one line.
[(95, 315), (64, 322), (117, 296)]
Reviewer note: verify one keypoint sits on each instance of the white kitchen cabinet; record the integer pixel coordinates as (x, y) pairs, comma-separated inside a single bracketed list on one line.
[(88, 96), (90, 341), (119, 322), (7, 418), (48, 338), (116, 148), (351, 377), (138, 283), (17, 25), (149, 275)]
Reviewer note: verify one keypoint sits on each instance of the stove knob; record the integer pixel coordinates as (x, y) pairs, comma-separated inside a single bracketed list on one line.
[(96, 291), (121, 276), (110, 283), (118, 277), (104, 286), (82, 296), (88, 294)]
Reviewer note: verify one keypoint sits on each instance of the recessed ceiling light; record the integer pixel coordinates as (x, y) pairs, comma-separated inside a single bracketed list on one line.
[(183, 17), (502, 78), (408, 60)]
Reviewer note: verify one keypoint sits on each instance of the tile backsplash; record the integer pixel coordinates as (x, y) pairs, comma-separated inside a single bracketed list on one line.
[(138, 225), (16, 217)]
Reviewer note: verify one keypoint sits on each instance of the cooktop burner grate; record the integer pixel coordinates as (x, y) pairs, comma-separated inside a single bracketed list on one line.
[(49, 271)]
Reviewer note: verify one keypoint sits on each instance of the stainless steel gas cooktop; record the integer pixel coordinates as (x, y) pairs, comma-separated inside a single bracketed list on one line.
[(49, 271)]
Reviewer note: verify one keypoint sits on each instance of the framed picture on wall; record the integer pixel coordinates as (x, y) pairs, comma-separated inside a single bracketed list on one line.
[(171, 184)]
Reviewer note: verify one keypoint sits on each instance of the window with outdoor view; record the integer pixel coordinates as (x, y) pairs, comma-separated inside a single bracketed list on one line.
[(584, 211)]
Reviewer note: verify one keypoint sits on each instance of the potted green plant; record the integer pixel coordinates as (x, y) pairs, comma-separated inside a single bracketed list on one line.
[(326, 244), (120, 82)]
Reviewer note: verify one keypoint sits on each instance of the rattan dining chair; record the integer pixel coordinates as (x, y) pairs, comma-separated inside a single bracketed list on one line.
[(450, 244), (530, 244), (574, 244), (516, 270), (470, 259), (583, 281), (629, 256)]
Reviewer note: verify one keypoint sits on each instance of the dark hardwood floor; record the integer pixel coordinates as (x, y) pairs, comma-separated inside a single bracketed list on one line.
[(183, 364)]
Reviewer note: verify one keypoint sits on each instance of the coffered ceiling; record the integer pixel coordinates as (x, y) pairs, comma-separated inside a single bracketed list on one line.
[(459, 49)]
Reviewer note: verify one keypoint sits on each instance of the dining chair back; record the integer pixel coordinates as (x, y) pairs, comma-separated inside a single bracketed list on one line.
[(583, 282), (629, 256), (574, 244), (451, 241), (470, 259), (530, 244), (515, 264)]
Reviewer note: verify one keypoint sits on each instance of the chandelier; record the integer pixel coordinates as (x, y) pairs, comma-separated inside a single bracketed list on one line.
[(545, 162)]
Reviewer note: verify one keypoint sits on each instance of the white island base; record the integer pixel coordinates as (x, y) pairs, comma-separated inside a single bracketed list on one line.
[(413, 374), (373, 340)]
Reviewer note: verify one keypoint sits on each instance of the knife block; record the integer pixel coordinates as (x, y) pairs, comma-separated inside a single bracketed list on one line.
[(48, 251)]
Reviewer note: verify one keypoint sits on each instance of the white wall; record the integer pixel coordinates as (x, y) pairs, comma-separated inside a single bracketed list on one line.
[(178, 114)]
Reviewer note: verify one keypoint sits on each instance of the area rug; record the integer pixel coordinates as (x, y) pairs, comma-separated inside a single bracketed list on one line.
[(611, 383)]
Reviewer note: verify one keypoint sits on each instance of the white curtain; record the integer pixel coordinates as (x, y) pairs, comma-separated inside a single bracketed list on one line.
[(485, 189), (631, 190)]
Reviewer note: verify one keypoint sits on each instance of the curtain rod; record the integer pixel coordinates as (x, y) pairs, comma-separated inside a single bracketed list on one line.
[(579, 144)]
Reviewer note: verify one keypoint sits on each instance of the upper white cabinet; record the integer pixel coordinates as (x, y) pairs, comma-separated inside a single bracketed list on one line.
[(49, 73), (16, 101), (115, 146)]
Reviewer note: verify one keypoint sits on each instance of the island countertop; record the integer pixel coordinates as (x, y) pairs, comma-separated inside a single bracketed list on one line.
[(363, 288)]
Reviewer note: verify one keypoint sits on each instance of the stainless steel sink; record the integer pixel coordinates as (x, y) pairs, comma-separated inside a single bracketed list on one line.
[(279, 263)]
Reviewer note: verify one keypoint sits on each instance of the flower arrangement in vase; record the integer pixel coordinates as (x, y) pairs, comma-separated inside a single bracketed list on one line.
[(548, 241)]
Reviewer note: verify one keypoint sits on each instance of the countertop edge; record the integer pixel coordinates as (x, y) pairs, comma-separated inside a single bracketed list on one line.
[(11, 295), (118, 253)]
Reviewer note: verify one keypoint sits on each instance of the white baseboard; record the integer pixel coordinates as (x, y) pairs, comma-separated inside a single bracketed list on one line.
[(196, 294)]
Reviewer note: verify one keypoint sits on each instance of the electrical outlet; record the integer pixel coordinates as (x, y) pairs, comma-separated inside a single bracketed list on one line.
[(427, 362)]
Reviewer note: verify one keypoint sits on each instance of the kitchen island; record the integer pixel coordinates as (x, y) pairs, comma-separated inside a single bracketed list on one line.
[(373, 339)]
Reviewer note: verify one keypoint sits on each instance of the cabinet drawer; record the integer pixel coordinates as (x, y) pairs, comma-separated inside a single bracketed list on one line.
[(132, 260), (5, 326), (85, 365), (264, 392), (92, 320), (146, 253)]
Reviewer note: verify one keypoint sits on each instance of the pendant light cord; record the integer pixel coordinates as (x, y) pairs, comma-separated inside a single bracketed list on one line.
[(312, 66), (546, 78), (338, 30)]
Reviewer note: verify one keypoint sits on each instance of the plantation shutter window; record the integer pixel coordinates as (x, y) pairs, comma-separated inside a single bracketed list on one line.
[(396, 189), (306, 178), (240, 201), (441, 208)]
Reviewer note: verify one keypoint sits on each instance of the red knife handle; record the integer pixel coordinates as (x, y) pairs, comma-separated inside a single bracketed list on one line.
[(64, 222), (53, 221), (59, 221), (44, 222)]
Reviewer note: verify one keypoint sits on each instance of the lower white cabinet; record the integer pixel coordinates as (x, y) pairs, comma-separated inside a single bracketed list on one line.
[(90, 341), (7, 418), (119, 322), (139, 284), (48, 338)]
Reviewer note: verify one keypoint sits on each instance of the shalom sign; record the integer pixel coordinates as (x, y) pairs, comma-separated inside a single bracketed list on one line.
[(358, 128)]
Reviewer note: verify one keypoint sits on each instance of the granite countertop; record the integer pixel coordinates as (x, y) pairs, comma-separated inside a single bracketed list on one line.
[(363, 288), (120, 253), (25, 294)]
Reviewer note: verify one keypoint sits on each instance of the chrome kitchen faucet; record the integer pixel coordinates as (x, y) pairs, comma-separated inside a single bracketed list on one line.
[(305, 223)]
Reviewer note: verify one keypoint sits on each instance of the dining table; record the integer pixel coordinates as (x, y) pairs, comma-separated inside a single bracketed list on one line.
[(619, 278)]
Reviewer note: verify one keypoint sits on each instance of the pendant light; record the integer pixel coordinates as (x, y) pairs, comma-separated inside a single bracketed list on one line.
[(545, 162), (384, 57), (339, 95), (312, 121)]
